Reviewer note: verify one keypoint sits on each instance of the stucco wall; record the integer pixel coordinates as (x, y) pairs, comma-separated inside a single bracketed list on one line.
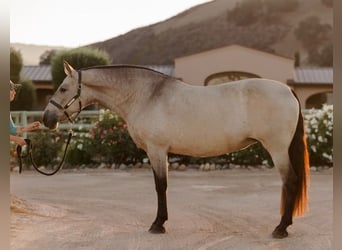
[(194, 69)]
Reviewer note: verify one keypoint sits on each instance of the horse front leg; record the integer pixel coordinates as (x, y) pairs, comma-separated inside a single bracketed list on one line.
[(160, 171)]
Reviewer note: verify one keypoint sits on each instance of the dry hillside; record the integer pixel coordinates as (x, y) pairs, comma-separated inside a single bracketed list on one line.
[(31, 53), (207, 26), (211, 25)]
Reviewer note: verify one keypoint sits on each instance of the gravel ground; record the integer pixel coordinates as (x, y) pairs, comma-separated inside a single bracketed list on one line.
[(113, 209)]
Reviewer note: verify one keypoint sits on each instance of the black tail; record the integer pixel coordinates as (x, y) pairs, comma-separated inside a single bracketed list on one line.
[(299, 158)]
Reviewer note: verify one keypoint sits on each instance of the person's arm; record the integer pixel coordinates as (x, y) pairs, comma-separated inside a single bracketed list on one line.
[(17, 140), (30, 127)]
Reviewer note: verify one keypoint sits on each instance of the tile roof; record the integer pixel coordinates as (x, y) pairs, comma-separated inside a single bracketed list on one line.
[(313, 75), (37, 73)]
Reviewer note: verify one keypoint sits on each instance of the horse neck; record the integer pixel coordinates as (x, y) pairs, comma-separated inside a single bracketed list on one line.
[(117, 94)]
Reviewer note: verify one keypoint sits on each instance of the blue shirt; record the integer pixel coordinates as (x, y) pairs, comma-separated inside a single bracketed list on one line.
[(13, 128)]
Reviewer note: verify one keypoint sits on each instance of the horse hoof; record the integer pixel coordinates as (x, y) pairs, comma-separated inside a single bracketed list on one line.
[(155, 229), (280, 234)]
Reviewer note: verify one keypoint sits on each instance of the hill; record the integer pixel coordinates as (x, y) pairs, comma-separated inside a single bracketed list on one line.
[(31, 53), (219, 23), (211, 25)]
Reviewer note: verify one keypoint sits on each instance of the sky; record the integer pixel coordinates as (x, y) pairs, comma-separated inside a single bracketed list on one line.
[(73, 23)]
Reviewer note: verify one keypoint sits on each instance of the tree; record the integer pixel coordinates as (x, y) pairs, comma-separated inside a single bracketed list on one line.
[(297, 59), (281, 6), (45, 58), (25, 97), (78, 58), (322, 57), (312, 34), (316, 39), (16, 63), (246, 12)]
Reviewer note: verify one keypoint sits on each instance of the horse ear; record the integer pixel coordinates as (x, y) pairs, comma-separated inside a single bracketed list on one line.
[(68, 69)]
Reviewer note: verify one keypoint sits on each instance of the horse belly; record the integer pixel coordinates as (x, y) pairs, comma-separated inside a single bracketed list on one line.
[(207, 148), (206, 141)]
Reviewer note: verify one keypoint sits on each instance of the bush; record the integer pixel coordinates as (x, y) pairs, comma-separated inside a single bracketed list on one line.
[(319, 129), (80, 149), (78, 58), (16, 64), (253, 155), (281, 6), (111, 141), (25, 98), (46, 148), (246, 12)]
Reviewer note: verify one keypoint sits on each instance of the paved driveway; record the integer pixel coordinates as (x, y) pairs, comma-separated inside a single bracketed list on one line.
[(106, 209)]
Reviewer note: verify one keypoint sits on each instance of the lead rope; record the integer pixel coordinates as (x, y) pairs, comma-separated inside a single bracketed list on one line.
[(29, 149)]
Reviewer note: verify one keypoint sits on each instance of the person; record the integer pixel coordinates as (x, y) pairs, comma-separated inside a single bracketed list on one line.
[(15, 130)]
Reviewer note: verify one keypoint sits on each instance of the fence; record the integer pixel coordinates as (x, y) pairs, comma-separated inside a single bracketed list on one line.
[(85, 120)]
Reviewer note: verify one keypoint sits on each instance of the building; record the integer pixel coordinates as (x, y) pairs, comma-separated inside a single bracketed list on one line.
[(42, 81), (313, 86)]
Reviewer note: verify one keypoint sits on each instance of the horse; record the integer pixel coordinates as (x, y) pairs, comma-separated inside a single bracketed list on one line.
[(166, 115)]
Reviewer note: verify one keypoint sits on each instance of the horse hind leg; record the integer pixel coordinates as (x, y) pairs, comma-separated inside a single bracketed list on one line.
[(288, 197), (293, 165)]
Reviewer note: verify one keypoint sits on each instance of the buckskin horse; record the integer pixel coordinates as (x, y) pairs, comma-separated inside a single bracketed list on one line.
[(164, 114)]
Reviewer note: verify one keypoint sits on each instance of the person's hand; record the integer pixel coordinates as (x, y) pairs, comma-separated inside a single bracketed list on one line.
[(33, 126), (20, 141)]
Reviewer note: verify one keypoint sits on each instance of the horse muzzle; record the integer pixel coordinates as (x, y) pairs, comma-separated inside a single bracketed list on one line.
[(50, 119)]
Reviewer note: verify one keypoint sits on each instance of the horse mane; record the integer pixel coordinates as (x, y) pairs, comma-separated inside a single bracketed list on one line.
[(132, 66)]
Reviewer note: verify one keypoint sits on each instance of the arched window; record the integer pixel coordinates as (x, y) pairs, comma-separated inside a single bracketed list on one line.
[(316, 101), (228, 77)]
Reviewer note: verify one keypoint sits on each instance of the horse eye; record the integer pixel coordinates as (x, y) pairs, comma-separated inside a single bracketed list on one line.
[(62, 90)]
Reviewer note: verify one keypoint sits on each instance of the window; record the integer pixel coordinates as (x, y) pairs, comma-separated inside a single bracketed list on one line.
[(228, 77)]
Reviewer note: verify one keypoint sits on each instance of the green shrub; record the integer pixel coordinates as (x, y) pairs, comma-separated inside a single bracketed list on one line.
[(111, 141), (16, 64), (78, 58), (47, 147), (25, 98), (80, 149), (252, 155)]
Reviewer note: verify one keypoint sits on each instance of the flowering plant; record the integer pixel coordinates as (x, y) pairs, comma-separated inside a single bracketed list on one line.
[(319, 130), (112, 142)]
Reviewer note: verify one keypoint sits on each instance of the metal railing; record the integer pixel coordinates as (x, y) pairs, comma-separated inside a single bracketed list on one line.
[(85, 120)]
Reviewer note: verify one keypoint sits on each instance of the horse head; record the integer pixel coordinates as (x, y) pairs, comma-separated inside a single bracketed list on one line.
[(66, 101)]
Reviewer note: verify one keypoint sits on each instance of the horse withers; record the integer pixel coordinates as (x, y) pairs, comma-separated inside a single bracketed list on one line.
[(165, 115)]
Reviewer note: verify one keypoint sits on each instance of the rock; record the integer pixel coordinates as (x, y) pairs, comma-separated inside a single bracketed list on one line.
[(102, 165), (193, 166), (206, 167), (146, 165), (314, 169), (182, 167), (174, 165), (15, 169), (123, 167), (138, 165)]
